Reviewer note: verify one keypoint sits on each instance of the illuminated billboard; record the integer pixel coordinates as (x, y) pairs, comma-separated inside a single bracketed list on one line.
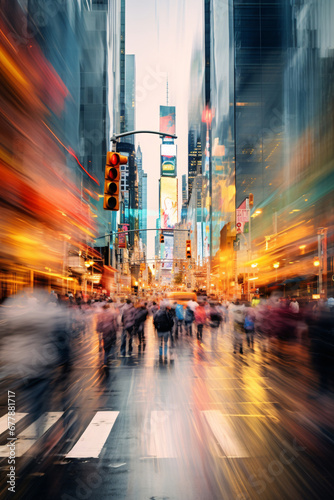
[(168, 202), (168, 149), (168, 159), (167, 119)]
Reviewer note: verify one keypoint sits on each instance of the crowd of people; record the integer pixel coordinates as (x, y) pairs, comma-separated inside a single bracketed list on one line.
[(37, 322)]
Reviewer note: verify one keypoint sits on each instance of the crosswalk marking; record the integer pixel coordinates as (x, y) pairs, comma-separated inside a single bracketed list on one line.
[(225, 434), (4, 421), (92, 440), (161, 436), (27, 438), (162, 442)]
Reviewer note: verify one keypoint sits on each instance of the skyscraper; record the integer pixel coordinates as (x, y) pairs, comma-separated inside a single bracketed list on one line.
[(184, 198), (122, 70), (142, 196), (130, 94), (194, 157)]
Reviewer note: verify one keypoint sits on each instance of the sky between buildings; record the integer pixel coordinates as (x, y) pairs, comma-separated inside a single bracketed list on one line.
[(161, 34)]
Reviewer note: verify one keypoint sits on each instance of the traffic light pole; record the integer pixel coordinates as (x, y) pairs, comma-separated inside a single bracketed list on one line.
[(115, 138), (140, 230)]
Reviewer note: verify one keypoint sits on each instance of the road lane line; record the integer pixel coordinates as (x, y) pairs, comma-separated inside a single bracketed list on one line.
[(4, 421), (225, 434), (92, 440), (161, 435), (27, 438)]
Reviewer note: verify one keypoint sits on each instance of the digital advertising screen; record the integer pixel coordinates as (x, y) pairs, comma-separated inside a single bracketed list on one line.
[(168, 202), (168, 166), (167, 119), (168, 159)]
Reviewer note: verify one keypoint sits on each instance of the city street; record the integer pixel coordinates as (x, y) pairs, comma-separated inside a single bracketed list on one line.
[(209, 424)]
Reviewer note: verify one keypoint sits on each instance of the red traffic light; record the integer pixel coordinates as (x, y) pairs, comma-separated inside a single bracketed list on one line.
[(116, 159), (112, 178)]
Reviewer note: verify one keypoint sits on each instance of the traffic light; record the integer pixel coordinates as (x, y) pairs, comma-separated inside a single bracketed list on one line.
[(188, 249), (162, 238), (112, 177), (251, 200)]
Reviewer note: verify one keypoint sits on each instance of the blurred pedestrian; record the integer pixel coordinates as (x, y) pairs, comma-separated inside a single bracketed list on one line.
[(163, 323), (30, 351), (140, 318), (238, 312), (294, 306), (249, 326), (107, 325), (215, 321), (262, 324), (128, 321), (179, 319), (321, 333), (189, 319), (200, 318), (172, 310)]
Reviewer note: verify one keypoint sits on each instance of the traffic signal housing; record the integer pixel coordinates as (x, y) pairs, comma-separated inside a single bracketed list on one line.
[(112, 178), (188, 249), (162, 238)]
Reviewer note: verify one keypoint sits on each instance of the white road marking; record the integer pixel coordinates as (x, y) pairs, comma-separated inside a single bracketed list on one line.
[(161, 436), (92, 440), (27, 438), (4, 423), (225, 434)]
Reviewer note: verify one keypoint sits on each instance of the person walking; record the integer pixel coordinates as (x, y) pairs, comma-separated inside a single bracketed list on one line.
[(107, 325), (189, 319), (163, 323), (238, 311), (294, 306), (179, 319), (249, 326), (140, 318), (215, 321), (200, 318), (128, 321)]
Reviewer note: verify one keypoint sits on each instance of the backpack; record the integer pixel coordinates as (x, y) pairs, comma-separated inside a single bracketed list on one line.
[(249, 323), (162, 321), (189, 316), (179, 312)]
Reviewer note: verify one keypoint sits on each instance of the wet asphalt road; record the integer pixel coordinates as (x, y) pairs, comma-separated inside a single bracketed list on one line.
[(207, 425)]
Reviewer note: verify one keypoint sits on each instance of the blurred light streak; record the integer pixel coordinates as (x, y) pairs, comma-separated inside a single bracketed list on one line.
[(71, 152)]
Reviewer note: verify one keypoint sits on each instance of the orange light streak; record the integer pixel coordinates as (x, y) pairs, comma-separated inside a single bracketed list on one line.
[(71, 152)]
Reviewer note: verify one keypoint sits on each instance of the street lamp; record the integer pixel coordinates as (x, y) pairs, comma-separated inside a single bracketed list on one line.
[(276, 266), (316, 263)]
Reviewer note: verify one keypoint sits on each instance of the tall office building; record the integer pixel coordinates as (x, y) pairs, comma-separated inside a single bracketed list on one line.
[(142, 197), (194, 157), (184, 189), (94, 113), (122, 69), (260, 58), (184, 198), (129, 181), (130, 95)]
